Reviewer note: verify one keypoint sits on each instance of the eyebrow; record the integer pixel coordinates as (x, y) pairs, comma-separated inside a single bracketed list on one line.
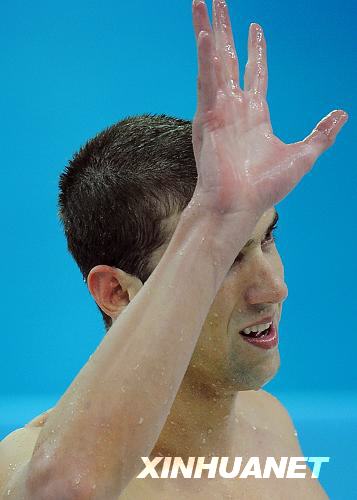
[(270, 227)]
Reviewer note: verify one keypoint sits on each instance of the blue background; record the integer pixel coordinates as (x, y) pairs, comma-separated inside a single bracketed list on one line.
[(69, 69)]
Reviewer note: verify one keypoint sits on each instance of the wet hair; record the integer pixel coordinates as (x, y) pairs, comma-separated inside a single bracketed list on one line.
[(117, 189)]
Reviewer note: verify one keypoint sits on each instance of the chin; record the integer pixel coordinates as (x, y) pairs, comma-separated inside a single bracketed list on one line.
[(254, 377)]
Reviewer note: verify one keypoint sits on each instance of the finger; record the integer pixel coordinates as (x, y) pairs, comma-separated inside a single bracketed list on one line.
[(201, 20), (207, 82), (324, 134), (256, 70), (225, 43)]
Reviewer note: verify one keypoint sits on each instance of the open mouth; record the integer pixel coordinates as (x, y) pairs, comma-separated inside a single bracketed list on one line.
[(264, 335), (257, 331)]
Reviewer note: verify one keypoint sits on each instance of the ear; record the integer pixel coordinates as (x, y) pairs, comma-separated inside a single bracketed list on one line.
[(112, 288)]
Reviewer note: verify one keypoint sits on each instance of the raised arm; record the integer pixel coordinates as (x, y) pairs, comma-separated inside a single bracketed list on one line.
[(115, 408)]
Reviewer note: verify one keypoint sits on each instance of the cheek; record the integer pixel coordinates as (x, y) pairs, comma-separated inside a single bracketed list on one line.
[(228, 297), (215, 328)]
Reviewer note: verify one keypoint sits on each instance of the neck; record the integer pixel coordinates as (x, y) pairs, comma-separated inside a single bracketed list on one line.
[(202, 421)]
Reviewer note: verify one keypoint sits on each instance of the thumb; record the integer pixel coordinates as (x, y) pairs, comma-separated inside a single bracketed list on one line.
[(325, 132)]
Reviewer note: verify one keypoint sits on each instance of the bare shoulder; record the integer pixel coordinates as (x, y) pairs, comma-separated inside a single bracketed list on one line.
[(271, 401), (268, 413), (284, 425), (272, 406), (283, 420), (17, 447)]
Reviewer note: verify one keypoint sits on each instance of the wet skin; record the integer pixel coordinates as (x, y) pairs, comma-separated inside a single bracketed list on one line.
[(244, 170)]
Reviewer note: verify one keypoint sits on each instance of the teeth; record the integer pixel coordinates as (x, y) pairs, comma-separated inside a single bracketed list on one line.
[(257, 328)]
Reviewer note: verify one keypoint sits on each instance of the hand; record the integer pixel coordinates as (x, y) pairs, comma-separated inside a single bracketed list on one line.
[(241, 164)]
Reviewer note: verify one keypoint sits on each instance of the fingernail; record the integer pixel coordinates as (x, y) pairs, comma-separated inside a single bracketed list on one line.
[(343, 114)]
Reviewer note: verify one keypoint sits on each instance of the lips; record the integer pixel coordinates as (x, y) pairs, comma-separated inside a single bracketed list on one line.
[(265, 339)]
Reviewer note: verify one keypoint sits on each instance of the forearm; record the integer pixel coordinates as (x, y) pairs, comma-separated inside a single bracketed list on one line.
[(113, 412)]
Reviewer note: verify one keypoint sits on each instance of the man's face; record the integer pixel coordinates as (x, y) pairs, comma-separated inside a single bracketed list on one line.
[(251, 294)]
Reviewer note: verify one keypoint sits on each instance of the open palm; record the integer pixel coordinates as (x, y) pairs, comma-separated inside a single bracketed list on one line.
[(241, 164)]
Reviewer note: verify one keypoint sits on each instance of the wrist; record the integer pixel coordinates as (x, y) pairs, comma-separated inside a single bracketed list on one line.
[(226, 234)]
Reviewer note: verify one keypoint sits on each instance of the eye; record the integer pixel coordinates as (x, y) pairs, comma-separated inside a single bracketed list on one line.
[(239, 258), (270, 237)]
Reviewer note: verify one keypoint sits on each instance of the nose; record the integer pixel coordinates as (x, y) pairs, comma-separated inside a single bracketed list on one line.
[(267, 285)]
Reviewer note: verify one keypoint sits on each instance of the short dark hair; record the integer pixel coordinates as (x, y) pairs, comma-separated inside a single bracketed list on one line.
[(117, 189)]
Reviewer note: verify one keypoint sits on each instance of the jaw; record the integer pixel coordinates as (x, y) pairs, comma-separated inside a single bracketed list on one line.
[(247, 373)]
